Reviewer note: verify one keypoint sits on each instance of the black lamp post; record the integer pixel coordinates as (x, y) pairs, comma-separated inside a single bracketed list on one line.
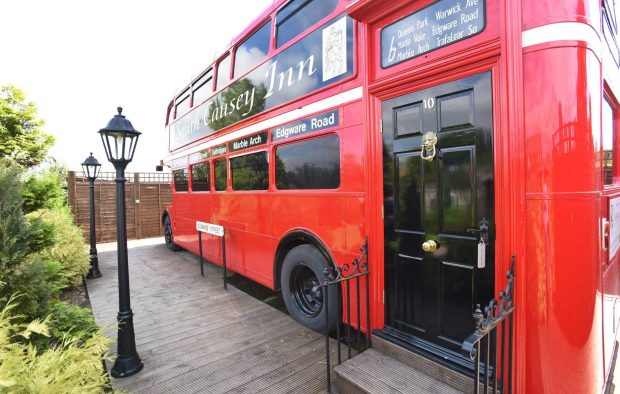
[(91, 169), (119, 141)]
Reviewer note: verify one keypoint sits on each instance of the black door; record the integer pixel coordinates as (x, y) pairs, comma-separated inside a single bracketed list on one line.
[(430, 295)]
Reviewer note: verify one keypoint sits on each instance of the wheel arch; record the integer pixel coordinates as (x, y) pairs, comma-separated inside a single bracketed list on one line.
[(295, 238)]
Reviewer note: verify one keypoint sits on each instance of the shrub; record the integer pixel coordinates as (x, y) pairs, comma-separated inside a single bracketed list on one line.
[(74, 366), (21, 270), (68, 249), (70, 320), (44, 189)]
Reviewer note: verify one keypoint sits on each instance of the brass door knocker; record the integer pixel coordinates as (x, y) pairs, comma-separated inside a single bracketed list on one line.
[(429, 140)]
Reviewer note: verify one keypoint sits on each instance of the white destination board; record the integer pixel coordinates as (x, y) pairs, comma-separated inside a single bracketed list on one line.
[(437, 25), (614, 226), (209, 228)]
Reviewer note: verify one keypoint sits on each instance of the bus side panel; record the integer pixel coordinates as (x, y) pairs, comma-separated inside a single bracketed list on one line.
[(563, 278), (246, 217), (320, 214), (611, 293), (183, 219)]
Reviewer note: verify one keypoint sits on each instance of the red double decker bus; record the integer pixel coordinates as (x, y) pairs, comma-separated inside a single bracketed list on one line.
[(454, 136)]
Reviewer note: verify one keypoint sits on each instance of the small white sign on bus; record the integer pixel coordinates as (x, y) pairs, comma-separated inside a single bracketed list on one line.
[(209, 228), (614, 227)]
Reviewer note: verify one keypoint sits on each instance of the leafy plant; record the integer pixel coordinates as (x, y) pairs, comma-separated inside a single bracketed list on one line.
[(21, 137), (68, 249), (21, 270), (44, 188), (71, 321), (74, 366)]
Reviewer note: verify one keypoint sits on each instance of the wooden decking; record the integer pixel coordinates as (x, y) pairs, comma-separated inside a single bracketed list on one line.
[(193, 336)]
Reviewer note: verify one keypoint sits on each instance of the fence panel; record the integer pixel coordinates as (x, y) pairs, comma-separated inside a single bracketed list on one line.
[(146, 196)]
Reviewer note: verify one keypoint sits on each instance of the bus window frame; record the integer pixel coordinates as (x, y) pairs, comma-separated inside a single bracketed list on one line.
[(174, 182), (191, 175), (613, 101), (195, 85), (303, 138), (170, 116), (225, 159), (243, 39), (268, 151), (309, 30), (223, 57), (186, 94)]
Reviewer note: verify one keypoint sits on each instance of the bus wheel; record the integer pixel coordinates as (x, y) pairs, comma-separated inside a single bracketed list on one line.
[(305, 301), (168, 235)]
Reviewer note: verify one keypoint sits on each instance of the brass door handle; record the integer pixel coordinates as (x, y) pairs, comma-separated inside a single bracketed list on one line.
[(430, 246)]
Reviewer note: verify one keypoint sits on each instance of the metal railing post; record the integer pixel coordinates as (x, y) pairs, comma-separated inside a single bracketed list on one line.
[(224, 260), (202, 272)]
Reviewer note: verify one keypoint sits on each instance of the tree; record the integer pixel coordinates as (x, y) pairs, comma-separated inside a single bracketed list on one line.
[(21, 137), (22, 271)]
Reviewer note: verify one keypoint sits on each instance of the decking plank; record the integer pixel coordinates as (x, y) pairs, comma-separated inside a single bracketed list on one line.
[(193, 336)]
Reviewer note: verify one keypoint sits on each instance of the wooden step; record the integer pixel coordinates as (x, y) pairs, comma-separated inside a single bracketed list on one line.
[(374, 372), (429, 367)]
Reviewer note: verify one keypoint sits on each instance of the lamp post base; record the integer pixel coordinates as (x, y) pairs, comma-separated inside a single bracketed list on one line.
[(128, 361), (126, 366), (94, 272)]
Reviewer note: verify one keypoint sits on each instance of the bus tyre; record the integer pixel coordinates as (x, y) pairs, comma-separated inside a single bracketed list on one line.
[(168, 235), (305, 302)]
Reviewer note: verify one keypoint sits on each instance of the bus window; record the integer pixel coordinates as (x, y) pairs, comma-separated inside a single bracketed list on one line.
[(250, 172), (223, 72), (182, 103), (203, 87), (298, 15), (311, 164), (201, 177), (608, 142), (220, 174), (180, 180), (252, 50)]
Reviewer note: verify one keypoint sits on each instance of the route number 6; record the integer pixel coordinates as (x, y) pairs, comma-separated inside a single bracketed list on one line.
[(392, 53)]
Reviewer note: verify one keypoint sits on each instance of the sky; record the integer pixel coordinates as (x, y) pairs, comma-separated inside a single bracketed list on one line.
[(78, 60)]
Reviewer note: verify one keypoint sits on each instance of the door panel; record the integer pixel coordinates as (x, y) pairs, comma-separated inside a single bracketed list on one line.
[(431, 295)]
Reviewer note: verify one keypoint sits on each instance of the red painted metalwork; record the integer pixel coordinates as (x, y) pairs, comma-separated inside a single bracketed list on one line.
[(550, 200)]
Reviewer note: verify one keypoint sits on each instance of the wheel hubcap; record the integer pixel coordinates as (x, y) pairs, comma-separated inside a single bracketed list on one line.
[(306, 291)]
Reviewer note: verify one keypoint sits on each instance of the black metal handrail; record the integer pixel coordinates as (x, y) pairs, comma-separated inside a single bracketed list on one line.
[(495, 318), (344, 275)]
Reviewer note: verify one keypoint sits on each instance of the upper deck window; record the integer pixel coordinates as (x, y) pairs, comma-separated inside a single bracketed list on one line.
[(203, 87), (298, 15), (182, 104), (252, 50), (223, 72)]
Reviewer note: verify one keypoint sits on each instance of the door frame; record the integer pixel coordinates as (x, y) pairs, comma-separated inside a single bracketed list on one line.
[(483, 278), (462, 65)]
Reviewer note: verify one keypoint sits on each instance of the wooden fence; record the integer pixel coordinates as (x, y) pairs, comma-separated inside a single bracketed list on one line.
[(146, 196)]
